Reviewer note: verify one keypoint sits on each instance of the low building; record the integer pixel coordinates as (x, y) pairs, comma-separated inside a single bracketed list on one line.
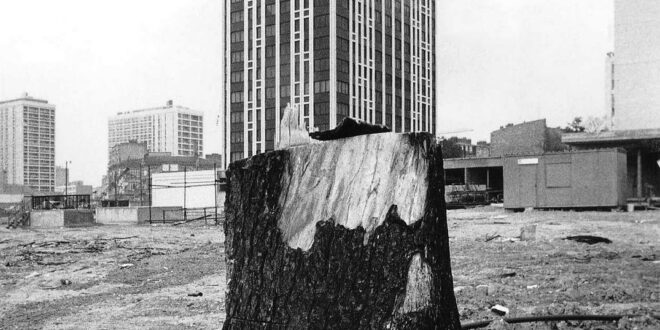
[(642, 153), (529, 166), (128, 179)]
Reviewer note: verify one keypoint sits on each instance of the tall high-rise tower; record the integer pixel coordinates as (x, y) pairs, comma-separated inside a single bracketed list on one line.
[(27, 143), (170, 128), (636, 68), (367, 59)]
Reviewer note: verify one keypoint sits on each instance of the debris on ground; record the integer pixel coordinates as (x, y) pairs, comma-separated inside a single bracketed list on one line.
[(499, 310), (528, 233), (588, 239), (491, 237), (195, 294)]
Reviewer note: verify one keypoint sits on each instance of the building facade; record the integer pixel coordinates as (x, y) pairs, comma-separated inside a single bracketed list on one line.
[(637, 64), (172, 128), (27, 143), (368, 59)]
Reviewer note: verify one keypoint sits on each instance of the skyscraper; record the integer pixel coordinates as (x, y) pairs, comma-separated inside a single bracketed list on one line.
[(367, 59), (172, 128), (636, 70), (27, 142)]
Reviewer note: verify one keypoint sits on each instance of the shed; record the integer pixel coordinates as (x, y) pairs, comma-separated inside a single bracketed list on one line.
[(588, 179)]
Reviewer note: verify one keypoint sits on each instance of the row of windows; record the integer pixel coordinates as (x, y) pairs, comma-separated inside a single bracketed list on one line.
[(321, 86)]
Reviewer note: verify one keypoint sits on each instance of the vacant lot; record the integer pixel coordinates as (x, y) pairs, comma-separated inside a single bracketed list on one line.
[(150, 277)]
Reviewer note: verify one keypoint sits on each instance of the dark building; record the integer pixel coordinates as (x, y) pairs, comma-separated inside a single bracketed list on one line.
[(367, 59)]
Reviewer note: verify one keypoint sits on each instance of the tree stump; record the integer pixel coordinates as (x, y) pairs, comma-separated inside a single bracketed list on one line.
[(344, 234)]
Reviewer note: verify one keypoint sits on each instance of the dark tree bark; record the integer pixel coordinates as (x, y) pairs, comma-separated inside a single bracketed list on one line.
[(288, 269)]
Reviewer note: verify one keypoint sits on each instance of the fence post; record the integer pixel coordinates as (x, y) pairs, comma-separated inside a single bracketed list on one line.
[(205, 217)]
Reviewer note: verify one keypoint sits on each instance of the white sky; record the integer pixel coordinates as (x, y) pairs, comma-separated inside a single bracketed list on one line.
[(499, 61)]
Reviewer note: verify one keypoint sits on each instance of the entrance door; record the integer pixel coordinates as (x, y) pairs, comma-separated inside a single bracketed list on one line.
[(527, 185)]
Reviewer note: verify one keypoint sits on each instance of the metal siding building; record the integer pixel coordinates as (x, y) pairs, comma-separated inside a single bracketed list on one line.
[(27, 143), (593, 178), (368, 59)]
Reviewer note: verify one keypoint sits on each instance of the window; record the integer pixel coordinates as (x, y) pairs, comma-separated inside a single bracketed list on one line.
[(270, 92), (321, 21), (236, 97), (342, 66), (321, 86), (270, 72), (237, 76), (270, 30), (270, 51), (342, 45), (270, 9), (558, 175), (237, 57), (237, 36), (322, 64), (321, 43), (342, 87), (236, 117), (237, 16), (342, 109), (284, 91), (236, 137), (285, 6)]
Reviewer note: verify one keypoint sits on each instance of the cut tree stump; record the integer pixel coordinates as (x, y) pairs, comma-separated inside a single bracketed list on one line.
[(343, 234)]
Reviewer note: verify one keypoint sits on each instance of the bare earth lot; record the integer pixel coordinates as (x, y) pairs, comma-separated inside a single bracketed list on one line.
[(140, 277)]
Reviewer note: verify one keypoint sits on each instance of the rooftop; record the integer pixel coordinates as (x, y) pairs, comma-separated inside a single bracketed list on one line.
[(25, 97), (611, 136)]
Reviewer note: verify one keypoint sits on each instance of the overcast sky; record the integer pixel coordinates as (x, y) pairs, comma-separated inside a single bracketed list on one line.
[(499, 61)]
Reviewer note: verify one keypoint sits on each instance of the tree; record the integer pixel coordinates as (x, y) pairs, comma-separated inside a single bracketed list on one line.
[(575, 126), (451, 149)]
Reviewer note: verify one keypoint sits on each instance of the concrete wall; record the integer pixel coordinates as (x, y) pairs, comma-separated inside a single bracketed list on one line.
[(61, 218), (116, 215), (136, 215), (637, 64)]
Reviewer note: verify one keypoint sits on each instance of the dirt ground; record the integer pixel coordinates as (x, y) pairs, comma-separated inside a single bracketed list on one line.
[(146, 277)]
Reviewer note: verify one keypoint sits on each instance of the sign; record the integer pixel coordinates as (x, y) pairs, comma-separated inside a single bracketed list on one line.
[(528, 161)]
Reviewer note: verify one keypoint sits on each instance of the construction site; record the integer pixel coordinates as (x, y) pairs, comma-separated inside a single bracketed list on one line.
[(174, 277)]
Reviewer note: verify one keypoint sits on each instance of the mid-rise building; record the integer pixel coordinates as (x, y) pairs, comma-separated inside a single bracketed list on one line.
[(368, 59), (636, 65), (27, 143), (172, 128)]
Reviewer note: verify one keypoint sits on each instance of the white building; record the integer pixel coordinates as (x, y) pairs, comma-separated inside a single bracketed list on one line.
[(172, 128), (637, 65), (27, 142)]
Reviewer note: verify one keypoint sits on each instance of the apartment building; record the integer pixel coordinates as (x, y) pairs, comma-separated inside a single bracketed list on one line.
[(27, 143), (368, 59), (171, 128)]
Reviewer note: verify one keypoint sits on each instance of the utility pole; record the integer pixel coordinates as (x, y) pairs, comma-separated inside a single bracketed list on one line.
[(149, 178), (215, 191), (185, 218), (141, 184), (66, 183), (115, 188)]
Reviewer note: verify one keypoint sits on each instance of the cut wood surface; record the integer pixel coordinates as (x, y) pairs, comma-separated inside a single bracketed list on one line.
[(344, 234)]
